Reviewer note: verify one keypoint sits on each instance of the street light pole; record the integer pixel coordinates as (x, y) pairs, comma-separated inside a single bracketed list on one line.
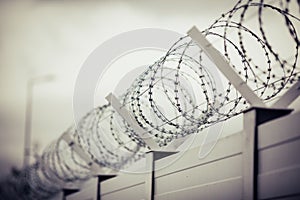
[(27, 135), (28, 116)]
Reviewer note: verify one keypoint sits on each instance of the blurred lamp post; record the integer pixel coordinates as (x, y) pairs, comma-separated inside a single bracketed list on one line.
[(27, 136)]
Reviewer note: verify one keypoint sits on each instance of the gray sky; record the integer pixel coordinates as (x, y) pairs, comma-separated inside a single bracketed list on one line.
[(41, 37), (55, 37)]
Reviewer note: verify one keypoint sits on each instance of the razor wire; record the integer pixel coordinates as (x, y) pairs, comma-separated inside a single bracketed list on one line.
[(178, 95)]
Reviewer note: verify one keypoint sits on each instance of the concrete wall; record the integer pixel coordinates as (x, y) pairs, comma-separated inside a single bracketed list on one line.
[(219, 175)]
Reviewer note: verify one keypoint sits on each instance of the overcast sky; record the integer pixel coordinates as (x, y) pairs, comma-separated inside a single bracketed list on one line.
[(55, 37), (40, 37)]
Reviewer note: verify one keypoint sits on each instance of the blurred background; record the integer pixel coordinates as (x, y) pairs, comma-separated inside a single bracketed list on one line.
[(45, 42)]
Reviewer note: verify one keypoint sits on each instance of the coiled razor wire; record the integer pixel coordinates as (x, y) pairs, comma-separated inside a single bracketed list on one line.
[(176, 96)]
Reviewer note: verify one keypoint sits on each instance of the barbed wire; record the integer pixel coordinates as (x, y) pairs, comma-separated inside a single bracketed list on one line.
[(178, 95)]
